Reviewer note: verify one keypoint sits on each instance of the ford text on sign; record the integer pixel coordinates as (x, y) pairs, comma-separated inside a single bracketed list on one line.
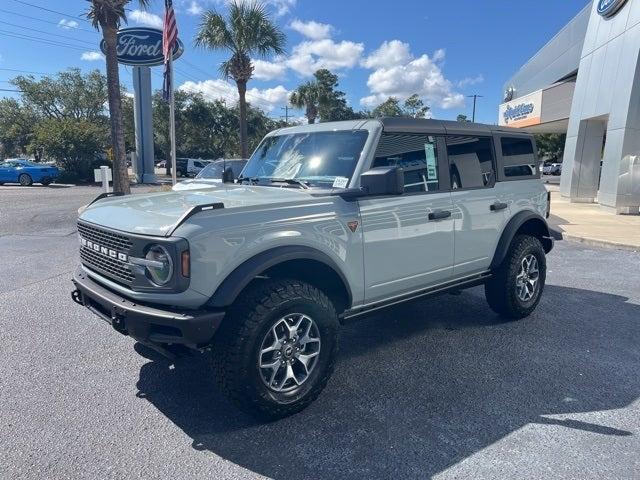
[(141, 46)]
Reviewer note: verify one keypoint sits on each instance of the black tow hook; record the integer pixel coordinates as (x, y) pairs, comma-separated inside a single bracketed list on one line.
[(76, 296)]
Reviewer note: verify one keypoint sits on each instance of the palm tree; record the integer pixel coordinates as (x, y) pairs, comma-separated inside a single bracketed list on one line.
[(307, 96), (107, 15), (247, 30)]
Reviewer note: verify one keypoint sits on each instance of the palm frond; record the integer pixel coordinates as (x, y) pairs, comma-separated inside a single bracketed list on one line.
[(226, 68), (253, 31), (213, 33), (110, 12), (306, 94)]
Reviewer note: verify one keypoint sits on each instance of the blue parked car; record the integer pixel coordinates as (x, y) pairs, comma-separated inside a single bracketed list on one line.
[(25, 172)]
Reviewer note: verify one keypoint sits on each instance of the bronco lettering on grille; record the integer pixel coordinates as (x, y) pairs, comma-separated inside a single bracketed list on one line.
[(123, 257)]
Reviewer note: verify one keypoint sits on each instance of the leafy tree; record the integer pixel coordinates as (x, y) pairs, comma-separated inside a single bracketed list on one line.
[(70, 94), (415, 107), (551, 145), (160, 114), (16, 127), (389, 108), (128, 123), (332, 104), (206, 128), (307, 96), (246, 31), (462, 118), (75, 144), (107, 16)]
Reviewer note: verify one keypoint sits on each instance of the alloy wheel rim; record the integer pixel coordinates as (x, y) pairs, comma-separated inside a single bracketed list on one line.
[(527, 278), (289, 352)]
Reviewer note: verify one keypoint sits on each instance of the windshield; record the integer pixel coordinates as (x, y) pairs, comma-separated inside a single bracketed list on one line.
[(212, 170), (317, 158)]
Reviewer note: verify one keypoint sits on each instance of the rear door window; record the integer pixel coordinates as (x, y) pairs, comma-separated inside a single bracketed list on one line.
[(518, 157), (471, 162), (417, 155)]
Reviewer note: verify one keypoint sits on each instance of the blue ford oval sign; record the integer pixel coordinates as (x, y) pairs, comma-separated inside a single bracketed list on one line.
[(141, 46), (608, 8)]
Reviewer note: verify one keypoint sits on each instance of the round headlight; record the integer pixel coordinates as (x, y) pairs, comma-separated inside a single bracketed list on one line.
[(162, 269)]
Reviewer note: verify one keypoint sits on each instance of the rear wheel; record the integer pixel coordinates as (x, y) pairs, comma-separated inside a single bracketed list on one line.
[(276, 349), (25, 179), (46, 181), (516, 286)]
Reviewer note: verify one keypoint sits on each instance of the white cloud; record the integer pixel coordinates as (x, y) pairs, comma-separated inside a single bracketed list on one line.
[(92, 56), (309, 56), (388, 54), (264, 70), (145, 18), (281, 7), (268, 99), (195, 8), (311, 29), (465, 82), (67, 24), (422, 75)]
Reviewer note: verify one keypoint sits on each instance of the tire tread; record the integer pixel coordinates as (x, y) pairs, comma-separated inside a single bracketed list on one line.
[(230, 344), (498, 290)]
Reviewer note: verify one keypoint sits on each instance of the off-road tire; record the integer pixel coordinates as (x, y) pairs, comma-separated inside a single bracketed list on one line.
[(25, 180), (500, 290), (236, 345)]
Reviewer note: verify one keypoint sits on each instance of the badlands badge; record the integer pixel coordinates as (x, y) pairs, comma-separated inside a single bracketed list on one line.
[(353, 225)]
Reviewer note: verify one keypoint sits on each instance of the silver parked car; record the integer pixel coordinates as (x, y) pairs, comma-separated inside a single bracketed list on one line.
[(212, 174), (327, 222), (552, 169)]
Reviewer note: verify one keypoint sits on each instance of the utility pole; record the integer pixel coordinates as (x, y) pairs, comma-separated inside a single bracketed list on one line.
[(286, 109), (475, 97)]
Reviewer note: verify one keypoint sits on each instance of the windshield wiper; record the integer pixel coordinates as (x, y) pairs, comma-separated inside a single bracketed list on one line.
[(251, 180), (291, 181)]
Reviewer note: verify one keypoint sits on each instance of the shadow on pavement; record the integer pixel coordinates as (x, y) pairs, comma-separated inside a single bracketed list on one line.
[(423, 386)]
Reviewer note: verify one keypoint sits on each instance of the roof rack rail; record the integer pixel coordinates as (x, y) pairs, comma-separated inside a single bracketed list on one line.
[(193, 211)]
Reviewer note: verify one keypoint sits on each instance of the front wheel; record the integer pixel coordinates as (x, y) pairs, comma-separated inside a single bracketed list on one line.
[(517, 284), (276, 349), (25, 179)]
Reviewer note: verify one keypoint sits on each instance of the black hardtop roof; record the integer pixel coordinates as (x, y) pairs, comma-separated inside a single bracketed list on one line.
[(424, 125)]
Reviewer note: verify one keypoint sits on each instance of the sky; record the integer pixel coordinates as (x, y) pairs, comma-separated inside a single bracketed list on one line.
[(443, 51)]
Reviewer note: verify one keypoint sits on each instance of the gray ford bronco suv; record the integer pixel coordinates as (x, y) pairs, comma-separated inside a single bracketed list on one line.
[(326, 222)]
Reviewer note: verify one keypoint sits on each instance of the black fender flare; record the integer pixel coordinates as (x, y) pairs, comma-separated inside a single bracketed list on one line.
[(512, 227), (238, 279)]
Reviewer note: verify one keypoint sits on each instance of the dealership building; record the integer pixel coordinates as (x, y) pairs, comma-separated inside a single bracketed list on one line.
[(585, 82)]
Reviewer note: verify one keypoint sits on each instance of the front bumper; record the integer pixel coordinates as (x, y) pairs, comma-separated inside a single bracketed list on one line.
[(147, 324)]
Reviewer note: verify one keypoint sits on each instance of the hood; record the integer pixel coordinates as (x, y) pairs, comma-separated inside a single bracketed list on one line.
[(158, 213)]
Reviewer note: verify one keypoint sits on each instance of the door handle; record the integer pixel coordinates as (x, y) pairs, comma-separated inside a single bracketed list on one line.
[(498, 206), (439, 214)]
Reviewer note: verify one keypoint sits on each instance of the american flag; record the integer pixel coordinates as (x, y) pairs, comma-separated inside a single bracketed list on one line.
[(169, 39)]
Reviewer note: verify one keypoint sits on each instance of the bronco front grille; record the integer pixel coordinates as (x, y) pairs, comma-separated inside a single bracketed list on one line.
[(108, 265), (104, 237)]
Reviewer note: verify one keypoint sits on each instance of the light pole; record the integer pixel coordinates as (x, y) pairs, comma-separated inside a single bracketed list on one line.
[(475, 97), (286, 109)]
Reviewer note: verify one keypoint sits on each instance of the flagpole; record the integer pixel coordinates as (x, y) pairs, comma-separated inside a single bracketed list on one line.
[(172, 121)]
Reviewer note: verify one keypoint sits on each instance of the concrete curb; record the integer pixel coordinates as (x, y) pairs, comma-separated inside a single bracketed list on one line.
[(592, 242)]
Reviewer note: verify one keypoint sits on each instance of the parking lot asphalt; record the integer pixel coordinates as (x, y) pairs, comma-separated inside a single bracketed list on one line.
[(434, 388)]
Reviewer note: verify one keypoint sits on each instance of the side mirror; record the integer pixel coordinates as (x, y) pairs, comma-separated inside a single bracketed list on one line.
[(383, 181), (228, 176)]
